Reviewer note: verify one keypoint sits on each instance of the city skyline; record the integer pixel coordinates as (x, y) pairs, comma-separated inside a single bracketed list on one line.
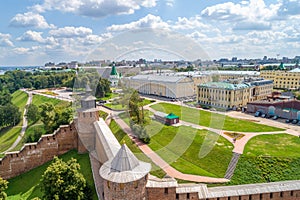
[(34, 32)]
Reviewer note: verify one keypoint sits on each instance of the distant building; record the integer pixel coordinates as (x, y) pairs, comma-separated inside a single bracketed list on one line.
[(287, 109), (283, 79), (161, 85), (114, 76), (233, 95)]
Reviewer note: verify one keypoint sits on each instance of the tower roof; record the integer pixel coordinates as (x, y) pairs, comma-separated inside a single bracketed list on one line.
[(125, 160), (124, 167), (113, 70)]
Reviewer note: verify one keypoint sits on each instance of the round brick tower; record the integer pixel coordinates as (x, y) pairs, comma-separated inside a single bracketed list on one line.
[(125, 177)]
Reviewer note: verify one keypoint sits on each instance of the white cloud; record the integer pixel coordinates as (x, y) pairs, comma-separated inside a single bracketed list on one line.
[(31, 36), (246, 15), (5, 40), (21, 50), (95, 8), (149, 21), (70, 32), (170, 3), (30, 19)]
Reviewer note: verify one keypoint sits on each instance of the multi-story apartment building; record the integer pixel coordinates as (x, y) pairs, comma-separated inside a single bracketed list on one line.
[(283, 79), (233, 95)]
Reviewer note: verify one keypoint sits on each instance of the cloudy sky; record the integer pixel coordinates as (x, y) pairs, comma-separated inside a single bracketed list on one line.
[(33, 32)]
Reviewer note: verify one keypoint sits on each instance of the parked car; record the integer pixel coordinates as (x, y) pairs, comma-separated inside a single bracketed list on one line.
[(269, 116), (257, 114), (275, 117), (263, 115), (295, 121), (288, 120)]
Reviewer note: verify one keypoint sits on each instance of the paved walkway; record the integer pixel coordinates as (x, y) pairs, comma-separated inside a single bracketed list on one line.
[(161, 163), (239, 145), (24, 126)]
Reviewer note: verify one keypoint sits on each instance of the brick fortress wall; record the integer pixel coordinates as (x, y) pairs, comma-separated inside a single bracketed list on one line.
[(35, 154)]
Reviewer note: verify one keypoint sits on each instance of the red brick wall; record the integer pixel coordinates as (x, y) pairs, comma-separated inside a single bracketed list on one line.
[(161, 193), (35, 154)]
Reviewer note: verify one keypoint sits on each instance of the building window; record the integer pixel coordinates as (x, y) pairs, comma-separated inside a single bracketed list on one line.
[(121, 186), (281, 194), (177, 196), (260, 196), (271, 195), (108, 184), (166, 190), (188, 196), (292, 193)]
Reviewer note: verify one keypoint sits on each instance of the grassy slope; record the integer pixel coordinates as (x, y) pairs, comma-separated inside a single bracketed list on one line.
[(180, 146), (213, 120), (26, 186), (192, 151), (279, 145), (269, 158), (10, 134), (123, 137)]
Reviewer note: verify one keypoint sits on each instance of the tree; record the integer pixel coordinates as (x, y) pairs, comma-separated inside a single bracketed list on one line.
[(3, 187), (63, 181), (32, 113), (47, 115)]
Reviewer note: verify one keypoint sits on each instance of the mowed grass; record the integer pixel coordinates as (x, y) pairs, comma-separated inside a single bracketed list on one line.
[(39, 99), (213, 120), (277, 145), (191, 151), (26, 186), (19, 98), (10, 134), (123, 137)]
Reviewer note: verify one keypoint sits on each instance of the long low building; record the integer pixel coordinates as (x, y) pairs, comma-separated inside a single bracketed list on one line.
[(233, 95), (284, 109), (161, 85)]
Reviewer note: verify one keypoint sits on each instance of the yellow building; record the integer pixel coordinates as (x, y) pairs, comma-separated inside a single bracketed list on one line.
[(230, 95), (283, 79)]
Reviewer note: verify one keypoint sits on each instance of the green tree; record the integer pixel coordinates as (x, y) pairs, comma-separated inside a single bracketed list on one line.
[(63, 181), (32, 113), (3, 187), (47, 114), (136, 110)]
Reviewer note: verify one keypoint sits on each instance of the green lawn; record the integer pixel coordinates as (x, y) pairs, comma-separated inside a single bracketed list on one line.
[(123, 137), (39, 99), (110, 96), (26, 186), (191, 151), (8, 136), (180, 146), (279, 145), (269, 158), (115, 106), (19, 98), (214, 120)]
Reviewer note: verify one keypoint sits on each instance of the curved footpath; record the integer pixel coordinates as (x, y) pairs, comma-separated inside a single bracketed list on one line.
[(157, 159), (239, 145), (24, 126)]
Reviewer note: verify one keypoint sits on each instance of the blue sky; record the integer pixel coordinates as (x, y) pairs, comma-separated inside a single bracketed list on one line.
[(33, 32)]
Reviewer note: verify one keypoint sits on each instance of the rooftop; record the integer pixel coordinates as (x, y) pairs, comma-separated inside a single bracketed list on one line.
[(224, 85), (159, 78), (124, 167)]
